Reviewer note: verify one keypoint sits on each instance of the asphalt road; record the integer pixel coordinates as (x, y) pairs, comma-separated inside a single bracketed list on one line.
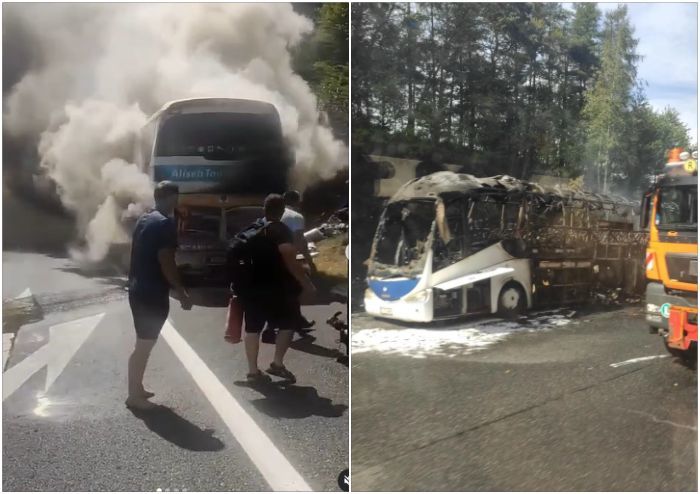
[(79, 436), (553, 403)]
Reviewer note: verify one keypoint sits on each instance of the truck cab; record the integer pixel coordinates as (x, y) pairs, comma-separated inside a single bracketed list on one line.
[(671, 263)]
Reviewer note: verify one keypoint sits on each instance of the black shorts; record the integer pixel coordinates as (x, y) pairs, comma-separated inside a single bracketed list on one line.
[(279, 313), (149, 316)]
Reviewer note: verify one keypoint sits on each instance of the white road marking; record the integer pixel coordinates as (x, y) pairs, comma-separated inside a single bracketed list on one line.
[(274, 467), (661, 421), (25, 294), (635, 360), (64, 341)]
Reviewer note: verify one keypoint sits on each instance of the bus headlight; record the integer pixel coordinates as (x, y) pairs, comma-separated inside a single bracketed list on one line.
[(419, 297)]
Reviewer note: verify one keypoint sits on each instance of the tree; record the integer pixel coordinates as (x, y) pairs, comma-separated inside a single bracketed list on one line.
[(607, 105), (323, 61), (516, 88)]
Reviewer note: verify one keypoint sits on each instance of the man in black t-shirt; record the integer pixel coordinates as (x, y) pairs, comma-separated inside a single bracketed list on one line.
[(273, 294)]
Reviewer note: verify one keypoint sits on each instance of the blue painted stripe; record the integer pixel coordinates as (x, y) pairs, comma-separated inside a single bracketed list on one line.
[(393, 289), (194, 173)]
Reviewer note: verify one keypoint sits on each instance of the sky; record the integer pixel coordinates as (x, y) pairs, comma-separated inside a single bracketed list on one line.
[(668, 43)]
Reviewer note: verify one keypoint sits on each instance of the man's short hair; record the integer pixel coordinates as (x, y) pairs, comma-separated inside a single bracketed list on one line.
[(274, 207), (292, 197), (165, 189)]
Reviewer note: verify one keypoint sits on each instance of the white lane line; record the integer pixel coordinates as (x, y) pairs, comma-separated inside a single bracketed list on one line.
[(635, 360), (274, 467)]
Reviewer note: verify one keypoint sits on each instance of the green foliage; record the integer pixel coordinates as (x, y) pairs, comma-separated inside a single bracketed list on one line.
[(517, 88), (322, 60)]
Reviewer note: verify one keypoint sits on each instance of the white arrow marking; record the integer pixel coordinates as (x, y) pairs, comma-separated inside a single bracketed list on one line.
[(25, 294), (273, 466), (64, 341)]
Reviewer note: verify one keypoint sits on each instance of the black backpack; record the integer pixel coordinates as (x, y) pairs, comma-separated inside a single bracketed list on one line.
[(240, 257)]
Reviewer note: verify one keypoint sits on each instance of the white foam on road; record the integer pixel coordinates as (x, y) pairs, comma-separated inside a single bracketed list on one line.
[(274, 467), (447, 342)]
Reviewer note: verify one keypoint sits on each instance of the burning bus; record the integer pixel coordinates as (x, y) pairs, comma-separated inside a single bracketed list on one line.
[(450, 244), (226, 155)]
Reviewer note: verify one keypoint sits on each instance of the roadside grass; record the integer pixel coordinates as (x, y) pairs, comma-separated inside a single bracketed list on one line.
[(332, 265)]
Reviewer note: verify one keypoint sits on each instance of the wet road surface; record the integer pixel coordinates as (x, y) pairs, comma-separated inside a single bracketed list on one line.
[(76, 329), (557, 402)]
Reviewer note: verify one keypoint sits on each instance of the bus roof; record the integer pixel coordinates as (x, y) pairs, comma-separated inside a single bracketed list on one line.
[(215, 105), (446, 182)]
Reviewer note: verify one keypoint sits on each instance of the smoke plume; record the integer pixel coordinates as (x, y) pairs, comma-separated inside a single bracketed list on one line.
[(81, 79)]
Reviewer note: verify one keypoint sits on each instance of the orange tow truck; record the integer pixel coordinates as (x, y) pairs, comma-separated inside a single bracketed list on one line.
[(669, 211)]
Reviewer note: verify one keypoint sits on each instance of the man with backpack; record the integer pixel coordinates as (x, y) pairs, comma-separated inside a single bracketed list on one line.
[(268, 281)]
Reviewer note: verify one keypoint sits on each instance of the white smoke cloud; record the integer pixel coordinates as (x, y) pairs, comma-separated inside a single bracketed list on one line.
[(104, 68)]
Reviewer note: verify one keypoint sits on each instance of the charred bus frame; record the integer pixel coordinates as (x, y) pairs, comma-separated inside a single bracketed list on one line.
[(464, 245)]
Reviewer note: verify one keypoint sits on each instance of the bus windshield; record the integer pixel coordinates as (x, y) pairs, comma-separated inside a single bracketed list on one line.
[(218, 136), (403, 237), (678, 208)]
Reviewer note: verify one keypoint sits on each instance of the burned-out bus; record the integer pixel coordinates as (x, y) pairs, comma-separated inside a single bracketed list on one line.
[(450, 244), (226, 155)]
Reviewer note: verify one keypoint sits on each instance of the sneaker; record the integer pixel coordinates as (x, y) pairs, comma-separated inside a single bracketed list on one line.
[(281, 371)]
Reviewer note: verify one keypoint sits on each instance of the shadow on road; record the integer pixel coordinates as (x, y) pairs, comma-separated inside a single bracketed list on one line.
[(178, 430), (283, 400), (307, 345)]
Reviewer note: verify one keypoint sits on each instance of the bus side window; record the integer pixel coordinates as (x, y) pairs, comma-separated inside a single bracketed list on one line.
[(510, 216), (454, 216), (582, 216)]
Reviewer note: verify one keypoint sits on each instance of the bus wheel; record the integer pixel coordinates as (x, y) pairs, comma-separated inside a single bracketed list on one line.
[(512, 300)]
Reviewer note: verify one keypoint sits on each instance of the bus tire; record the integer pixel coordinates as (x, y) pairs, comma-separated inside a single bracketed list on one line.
[(512, 300)]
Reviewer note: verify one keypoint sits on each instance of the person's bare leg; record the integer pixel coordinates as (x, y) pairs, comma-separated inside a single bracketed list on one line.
[(137, 368), (252, 346), (284, 340)]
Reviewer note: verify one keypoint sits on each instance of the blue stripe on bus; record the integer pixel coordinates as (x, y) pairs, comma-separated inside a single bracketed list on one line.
[(193, 173), (393, 289)]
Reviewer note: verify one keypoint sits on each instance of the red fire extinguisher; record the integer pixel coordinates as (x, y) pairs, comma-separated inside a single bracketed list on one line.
[(234, 321)]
